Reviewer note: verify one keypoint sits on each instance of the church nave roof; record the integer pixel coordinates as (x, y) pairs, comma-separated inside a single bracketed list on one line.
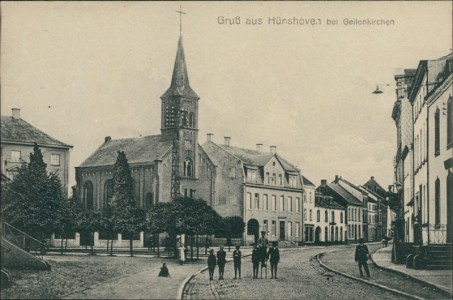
[(138, 150)]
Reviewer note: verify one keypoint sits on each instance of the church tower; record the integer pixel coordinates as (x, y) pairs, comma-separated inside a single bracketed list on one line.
[(179, 120)]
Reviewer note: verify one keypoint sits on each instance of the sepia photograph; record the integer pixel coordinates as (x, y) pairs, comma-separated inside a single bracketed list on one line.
[(226, 150)]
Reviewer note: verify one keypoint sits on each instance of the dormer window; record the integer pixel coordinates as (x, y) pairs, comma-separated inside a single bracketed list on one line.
[(251, 175)]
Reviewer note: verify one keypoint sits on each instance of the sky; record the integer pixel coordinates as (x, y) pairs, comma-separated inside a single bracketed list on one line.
[(81, 71)]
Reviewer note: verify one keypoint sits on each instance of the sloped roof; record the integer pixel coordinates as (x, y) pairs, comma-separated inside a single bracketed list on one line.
[(323, 201), (180, 80), (372, 182), (138, 150), (340, 191), (19, 131), (349, 183), (306, 181), (254, 157), (372, 192)]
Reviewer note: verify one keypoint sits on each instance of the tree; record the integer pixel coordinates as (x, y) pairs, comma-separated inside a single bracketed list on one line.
[(33, 201), (126, 216), (232, 227), (159, 219), (89, 221), (194, 217), (69, 215)]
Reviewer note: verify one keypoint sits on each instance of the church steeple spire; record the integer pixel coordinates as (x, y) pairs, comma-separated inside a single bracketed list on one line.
[(180, 80)]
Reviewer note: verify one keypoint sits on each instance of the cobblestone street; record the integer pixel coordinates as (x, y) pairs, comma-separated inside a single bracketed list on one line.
[(302, 277)]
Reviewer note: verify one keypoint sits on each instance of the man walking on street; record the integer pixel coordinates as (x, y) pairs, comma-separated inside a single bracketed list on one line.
[(361, 257), (211, 264), (274, 259), (237, 255), (221, 260)]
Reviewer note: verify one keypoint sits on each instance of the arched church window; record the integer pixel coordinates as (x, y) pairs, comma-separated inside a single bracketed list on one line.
[(188, 167), (108, 192), (88, 195)]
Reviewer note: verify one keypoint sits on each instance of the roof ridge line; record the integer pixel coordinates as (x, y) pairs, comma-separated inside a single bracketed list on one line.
[(41, 131), (228, 152)]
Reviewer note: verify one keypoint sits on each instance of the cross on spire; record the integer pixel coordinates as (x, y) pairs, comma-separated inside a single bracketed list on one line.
[(180, 19)]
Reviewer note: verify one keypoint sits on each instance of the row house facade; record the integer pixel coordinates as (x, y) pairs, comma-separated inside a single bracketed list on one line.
[(402, 114), (17, 141), (352, 204), (330, 226), (429, 96), (385, 215)]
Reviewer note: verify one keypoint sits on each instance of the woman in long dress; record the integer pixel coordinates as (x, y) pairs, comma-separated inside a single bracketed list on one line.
[(182, 255)]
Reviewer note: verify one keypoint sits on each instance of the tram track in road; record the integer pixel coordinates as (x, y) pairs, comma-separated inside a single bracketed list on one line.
[(397, 292)]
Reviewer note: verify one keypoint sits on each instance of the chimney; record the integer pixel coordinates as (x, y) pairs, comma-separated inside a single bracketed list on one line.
[(337, 178), (226, 140), (15, 113), (372, 177), (273, 149), (209, 136), (323, 182), (107, 139), (258, 147)]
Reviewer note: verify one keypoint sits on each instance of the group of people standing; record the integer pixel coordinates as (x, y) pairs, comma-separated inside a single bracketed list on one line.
[(260, 255)]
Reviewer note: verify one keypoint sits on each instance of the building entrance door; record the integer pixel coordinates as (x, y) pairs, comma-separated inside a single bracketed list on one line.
[(282, 230), (317, 235)]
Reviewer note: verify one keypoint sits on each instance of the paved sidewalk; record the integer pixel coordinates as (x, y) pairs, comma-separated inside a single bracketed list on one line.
[(440, 278), (343, 261)]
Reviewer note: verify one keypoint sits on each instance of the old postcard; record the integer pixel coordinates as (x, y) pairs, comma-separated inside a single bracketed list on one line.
[(235, 150)]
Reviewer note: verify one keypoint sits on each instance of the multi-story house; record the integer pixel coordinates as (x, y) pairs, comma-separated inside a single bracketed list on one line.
[(309, 210), (431, 82), (439, 137), (378, 227), (17, 141), (403, 169), (430, 225), (330, 220), (261, 187)]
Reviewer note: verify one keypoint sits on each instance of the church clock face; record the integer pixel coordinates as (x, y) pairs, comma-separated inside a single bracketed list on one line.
[(188, 145)]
